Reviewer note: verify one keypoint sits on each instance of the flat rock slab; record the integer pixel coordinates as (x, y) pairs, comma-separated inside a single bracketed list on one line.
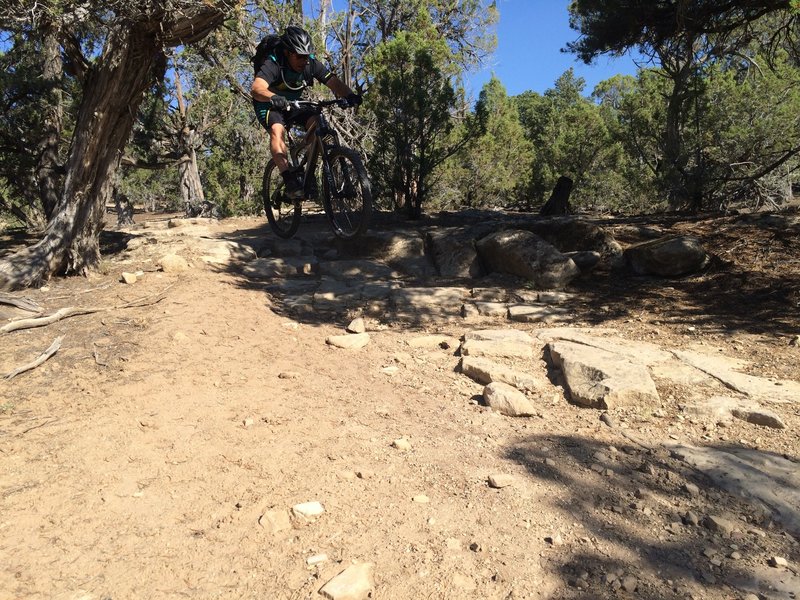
[(766, 480), (499, 343), (500, 335), (357, 269), (269, 268), (640, 352), (497, 349), (597, 378), (422, 302), (349, 341), (354, 583), (486, 371), (526, 313), (337, 296), (723, 408), (759, 388), (431, 342), (543, 297), (223, 251), (491, 309)]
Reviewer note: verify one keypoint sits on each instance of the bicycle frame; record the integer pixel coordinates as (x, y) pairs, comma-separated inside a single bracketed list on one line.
[(325, 138)]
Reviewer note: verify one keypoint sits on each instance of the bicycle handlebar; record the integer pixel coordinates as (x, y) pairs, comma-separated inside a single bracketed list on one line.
[(319, 104)]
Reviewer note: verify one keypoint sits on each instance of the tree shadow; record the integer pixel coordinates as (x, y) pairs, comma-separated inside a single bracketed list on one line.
[(642, 521), (727, 296)]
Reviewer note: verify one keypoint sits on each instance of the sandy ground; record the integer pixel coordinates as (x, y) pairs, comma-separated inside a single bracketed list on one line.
[(159, 453)]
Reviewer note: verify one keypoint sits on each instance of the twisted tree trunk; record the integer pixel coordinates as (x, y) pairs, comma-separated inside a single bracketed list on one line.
[(113, 90)]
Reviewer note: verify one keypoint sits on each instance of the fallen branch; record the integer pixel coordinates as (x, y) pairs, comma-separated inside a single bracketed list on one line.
[(61, 313), (54, 347), (22, 303), (72, 311)]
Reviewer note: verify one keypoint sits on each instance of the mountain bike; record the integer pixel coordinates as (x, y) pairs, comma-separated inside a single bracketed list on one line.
[(346, 192)]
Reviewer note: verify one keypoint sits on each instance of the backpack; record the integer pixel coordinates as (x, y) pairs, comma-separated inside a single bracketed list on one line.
[(266, 49)]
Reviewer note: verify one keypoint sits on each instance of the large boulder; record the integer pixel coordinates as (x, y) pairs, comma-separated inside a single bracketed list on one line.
[(454, 254), (569, 234), (527, 255), (667, 257)]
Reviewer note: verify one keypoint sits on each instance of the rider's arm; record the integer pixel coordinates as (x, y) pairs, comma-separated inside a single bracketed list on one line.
[(338, 87), (260, 90)]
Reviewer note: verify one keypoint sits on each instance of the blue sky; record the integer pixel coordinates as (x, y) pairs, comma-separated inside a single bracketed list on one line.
[(530, 35)]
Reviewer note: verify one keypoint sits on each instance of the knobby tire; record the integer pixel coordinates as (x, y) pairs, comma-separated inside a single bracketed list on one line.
[(347, 193), (283, 216)]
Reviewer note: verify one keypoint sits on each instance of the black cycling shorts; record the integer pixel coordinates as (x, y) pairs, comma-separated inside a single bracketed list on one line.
[(268, 117)]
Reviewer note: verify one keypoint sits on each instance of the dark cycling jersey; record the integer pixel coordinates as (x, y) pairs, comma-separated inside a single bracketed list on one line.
[(286, 82)]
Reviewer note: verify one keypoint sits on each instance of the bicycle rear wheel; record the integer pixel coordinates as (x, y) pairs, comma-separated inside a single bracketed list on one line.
[(347, 194), (283, 214)]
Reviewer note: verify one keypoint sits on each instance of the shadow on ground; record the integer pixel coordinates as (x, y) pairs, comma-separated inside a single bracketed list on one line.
[(639, 519), (752, 284)]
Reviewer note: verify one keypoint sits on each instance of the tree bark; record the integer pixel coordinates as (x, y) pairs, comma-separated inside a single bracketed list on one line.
[(113, 90), (47, 169)]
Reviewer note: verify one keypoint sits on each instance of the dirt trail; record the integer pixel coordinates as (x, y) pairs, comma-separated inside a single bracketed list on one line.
[(140, 462)]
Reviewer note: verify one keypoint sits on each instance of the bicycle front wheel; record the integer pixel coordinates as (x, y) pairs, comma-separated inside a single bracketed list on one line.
[(283, 214), (347, 194)]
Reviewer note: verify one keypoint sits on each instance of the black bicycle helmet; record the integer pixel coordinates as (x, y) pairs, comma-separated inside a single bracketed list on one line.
[(297, 40)]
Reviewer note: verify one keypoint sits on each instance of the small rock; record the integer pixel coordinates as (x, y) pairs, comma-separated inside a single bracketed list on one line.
[(402, 444), (778, 561), (606, 418), (647, 468), (172, 263), (691, 489), (476, 547), (463, 582), (554, 540), (248, 422), (354, 583), (421, 499), (630, 583), (357, 326), (308, 510), (500, 481), (507, 400), (351, 341), (691, 518), (289, 375), (316, 559), (718, 524), (735, 556), (275, 521), (129, 278), (452, 544)]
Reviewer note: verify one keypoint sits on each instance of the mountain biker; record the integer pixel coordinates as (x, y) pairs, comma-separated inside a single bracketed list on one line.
[(282, 78)]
